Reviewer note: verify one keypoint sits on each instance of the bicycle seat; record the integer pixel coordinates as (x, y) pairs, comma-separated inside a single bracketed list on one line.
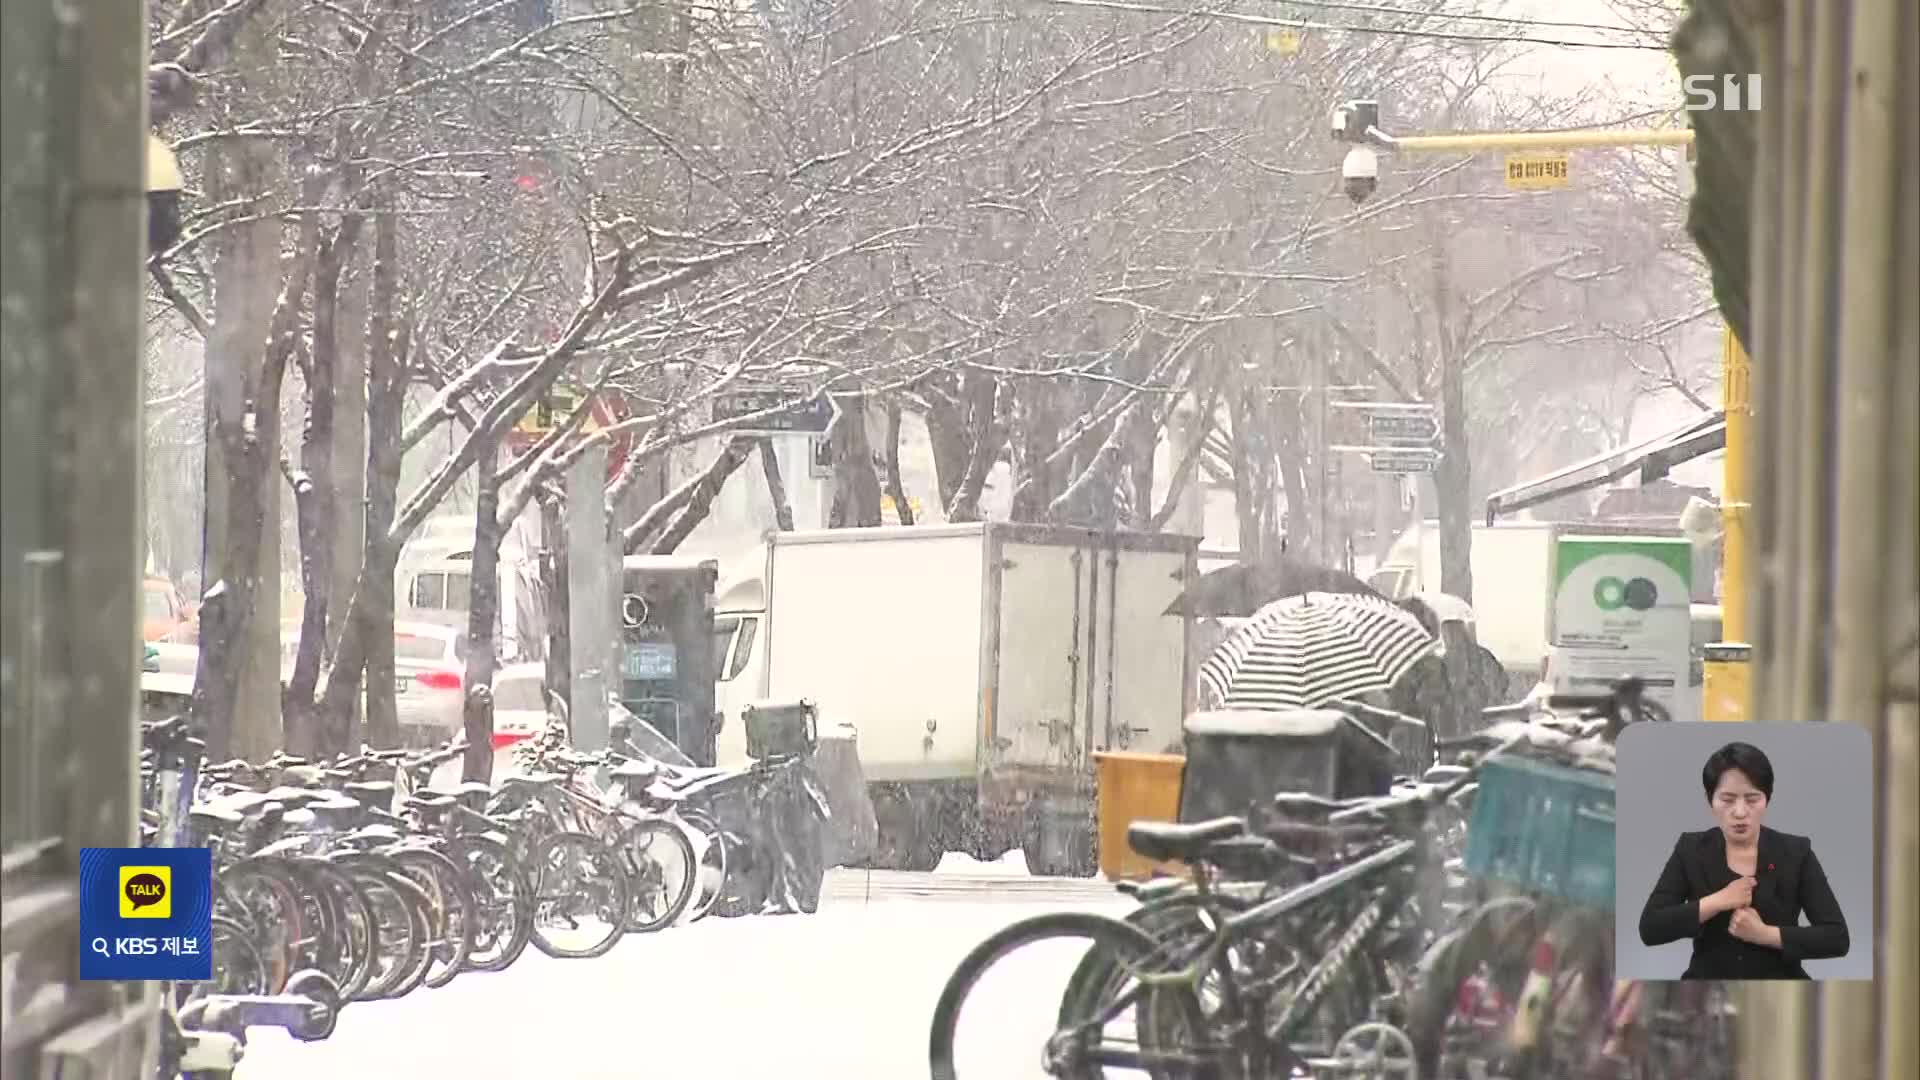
[(303, 775), (1300, 805), (371, 792), (530, 780), (641, 771), (378, 834), (214, 819), (431, 801), (1248, 858), (244, 803), (298, 796), (681, 778), (1165, 841)]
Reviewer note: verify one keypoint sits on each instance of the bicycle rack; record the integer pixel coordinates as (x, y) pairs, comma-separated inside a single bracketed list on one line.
[(213, 1029)]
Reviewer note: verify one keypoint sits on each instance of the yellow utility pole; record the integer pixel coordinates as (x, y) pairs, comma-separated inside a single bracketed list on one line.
[(1728, 668), (1587, 139)]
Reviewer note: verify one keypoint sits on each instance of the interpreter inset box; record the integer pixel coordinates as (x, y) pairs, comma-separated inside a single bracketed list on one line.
[(1744, 851)]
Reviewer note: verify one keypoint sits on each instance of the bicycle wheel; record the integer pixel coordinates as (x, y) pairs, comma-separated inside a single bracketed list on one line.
[(711, 850), (1099, 974), (1465, 987), (660, 867), (399, 929), (428, 927), (358, 931), (503, 900), (348, 960), (238, 967), (260, 896), (581, 896), (1079, 1049), (447, 890)]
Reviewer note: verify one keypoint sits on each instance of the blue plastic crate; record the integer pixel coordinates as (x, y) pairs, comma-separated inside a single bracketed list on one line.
[(1544, 828)]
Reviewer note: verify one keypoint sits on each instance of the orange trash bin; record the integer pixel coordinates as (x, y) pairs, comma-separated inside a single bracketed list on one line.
[(1133, 787)]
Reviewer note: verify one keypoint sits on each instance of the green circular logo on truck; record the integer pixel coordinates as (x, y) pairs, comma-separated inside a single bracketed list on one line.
[(1612, 594)]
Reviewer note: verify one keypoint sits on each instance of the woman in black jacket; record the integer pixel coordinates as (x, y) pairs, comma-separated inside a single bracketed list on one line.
[(1738, 890)]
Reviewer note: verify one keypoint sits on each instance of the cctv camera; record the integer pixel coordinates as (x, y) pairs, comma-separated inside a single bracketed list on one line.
[(1360, 174)]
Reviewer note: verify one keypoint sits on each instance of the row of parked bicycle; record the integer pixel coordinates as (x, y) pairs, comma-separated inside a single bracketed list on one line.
[(354, 880), (1451, 928)]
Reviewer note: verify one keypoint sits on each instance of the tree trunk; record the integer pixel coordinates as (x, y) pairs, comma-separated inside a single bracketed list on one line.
[(349, 522), (365, 656), (1453, 473), (313, 498), (776, 487), (705, 490), (947, 435), (896, 488), (1453, 488), (247, 274), (1297, 467), (483, 609), (985, 437), (553, 582), (856, 486)]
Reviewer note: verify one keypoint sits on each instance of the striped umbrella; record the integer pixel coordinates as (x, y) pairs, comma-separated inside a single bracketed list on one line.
[(1303, 651)]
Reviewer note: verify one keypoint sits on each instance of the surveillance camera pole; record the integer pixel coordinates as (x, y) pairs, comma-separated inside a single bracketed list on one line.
[(1726, 696)]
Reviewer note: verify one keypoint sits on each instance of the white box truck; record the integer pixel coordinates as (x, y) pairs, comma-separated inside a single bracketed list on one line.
[(1512, 582), (981, 665)]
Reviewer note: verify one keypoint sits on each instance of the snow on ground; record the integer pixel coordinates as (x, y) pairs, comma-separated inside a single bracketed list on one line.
[(845, 994), (1012, 864)]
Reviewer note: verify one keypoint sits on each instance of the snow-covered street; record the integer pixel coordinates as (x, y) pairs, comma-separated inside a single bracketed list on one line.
[(844, 994)]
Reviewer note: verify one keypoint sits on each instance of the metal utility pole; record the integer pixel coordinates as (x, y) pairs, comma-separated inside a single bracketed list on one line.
[(1322, 463), (72, 233)]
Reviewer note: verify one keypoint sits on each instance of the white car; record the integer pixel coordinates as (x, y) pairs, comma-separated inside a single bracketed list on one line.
[(429, 682), (519, 712)]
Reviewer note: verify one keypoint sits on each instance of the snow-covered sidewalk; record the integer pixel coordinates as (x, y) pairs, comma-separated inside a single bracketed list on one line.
[(845, 994)]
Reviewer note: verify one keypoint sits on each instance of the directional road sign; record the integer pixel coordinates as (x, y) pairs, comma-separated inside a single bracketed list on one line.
[(812, 416), (1392, 429), (1402, 461)]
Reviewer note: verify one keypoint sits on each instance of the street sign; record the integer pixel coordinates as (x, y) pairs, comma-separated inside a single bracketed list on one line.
[(1536, 172), (806, 417), (1285, 41), (1402, 461), (1393, 429)]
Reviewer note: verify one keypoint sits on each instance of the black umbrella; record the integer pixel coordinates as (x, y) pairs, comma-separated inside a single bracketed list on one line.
[(1237, 591)]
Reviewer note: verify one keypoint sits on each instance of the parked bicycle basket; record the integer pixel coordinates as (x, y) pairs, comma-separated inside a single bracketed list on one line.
[(780, 729), (1240, 759), (1546, 828)]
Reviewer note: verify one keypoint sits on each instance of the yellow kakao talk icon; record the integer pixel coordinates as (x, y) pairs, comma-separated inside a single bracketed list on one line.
[(146, 892)]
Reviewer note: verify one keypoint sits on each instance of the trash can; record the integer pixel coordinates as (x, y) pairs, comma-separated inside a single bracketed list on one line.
[(1128, 788)]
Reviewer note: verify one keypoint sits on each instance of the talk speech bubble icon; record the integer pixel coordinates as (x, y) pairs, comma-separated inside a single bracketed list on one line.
[(144, 892)]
